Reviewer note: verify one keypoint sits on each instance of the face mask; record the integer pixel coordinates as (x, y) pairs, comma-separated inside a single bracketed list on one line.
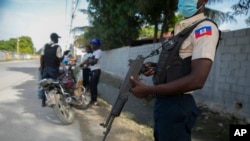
[(187, 7)]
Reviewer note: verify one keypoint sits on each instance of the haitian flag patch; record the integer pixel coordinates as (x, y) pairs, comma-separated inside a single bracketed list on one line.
[(206, 30)]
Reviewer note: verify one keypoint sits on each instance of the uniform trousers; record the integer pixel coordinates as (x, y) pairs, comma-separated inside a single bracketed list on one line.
[(174, 117)]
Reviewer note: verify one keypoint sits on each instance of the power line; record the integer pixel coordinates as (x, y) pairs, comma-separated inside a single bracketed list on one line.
[(65, 14), (74, 7)]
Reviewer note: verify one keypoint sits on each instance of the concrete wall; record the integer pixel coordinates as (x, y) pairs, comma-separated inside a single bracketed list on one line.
[(227, 89), (5, 55), (228, 86)]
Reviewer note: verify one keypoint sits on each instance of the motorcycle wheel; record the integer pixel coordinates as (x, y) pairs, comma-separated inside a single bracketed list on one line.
[(86, 98), (63, 111)]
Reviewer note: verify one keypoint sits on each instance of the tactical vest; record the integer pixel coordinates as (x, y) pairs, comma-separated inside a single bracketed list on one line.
[(170, 65), (50, 58)]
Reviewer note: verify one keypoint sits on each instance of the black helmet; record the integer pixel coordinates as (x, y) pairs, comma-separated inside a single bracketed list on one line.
[(54, 36)]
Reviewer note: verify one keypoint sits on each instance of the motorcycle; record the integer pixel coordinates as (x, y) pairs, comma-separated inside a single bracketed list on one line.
[(63, 95)]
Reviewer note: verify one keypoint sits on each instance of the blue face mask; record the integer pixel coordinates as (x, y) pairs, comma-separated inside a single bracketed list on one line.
[(187, 7)]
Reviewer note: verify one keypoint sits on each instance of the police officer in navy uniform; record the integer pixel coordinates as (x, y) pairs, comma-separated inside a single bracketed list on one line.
[(51, 55), (175, 110)]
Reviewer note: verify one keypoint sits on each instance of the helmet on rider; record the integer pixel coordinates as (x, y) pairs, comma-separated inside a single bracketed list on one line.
[(96, 42)]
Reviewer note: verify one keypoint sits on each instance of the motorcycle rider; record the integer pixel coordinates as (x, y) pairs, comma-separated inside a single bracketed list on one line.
[(51, 55)]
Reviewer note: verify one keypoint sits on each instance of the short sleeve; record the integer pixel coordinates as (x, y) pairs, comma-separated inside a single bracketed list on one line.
[(43, 49), (205, 38), (59, 52), (97, 54)]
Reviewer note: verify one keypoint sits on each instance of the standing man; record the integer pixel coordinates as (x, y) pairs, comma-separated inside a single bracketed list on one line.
[(51, 55), (85, 66), (175, 110), (95, 69)]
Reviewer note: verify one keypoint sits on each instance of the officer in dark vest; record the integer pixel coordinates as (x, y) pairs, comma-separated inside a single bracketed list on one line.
[(177, 75), (51, 55)]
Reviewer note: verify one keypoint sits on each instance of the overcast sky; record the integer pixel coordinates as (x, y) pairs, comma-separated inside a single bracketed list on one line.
[(39, 18)]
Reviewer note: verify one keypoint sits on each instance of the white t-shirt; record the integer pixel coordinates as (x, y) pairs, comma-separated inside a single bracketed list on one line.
[(97, 53), (86, 56)]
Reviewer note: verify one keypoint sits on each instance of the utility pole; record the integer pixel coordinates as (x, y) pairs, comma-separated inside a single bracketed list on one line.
[(17, 45), (71, 32), (73, 10)]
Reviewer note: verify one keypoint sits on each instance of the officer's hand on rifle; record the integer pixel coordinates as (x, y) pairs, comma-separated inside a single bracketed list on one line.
[(140, 90), (148, 69)]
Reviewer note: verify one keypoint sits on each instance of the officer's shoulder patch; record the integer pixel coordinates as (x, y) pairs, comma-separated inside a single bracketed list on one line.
[(202, 31)]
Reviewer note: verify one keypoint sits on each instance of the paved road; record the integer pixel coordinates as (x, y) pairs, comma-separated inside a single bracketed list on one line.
[(21, 116)]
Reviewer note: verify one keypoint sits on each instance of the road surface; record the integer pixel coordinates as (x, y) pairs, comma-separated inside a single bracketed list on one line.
[(21, 116), (23, 119)]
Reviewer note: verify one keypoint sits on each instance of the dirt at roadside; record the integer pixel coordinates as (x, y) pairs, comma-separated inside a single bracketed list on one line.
[(123, 128), (211, 126)]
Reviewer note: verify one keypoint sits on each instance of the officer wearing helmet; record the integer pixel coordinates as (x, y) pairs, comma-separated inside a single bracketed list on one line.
[(51, 55), (95, 68), (186, 70)]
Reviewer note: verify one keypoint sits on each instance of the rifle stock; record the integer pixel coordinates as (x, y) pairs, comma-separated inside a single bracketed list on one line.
[(134, 70)]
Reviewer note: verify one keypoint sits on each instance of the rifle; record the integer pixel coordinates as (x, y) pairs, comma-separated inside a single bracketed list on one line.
[(136, 66)]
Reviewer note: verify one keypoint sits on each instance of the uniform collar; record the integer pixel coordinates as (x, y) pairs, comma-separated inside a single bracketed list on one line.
[(192, 20), (188, 22)]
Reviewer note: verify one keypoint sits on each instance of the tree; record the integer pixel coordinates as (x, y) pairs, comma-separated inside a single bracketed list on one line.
[(118, 22), (219, 17), (248, 21), (81, 41), (146, 31), (115, 22), (9, 45), (158, 12), (24, 44), (242, 8)]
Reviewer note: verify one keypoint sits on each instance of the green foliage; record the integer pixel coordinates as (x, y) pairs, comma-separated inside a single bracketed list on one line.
[(23, 44), (81, 41), (117, 22), (146, 31), (9, 45), (158, 11)]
